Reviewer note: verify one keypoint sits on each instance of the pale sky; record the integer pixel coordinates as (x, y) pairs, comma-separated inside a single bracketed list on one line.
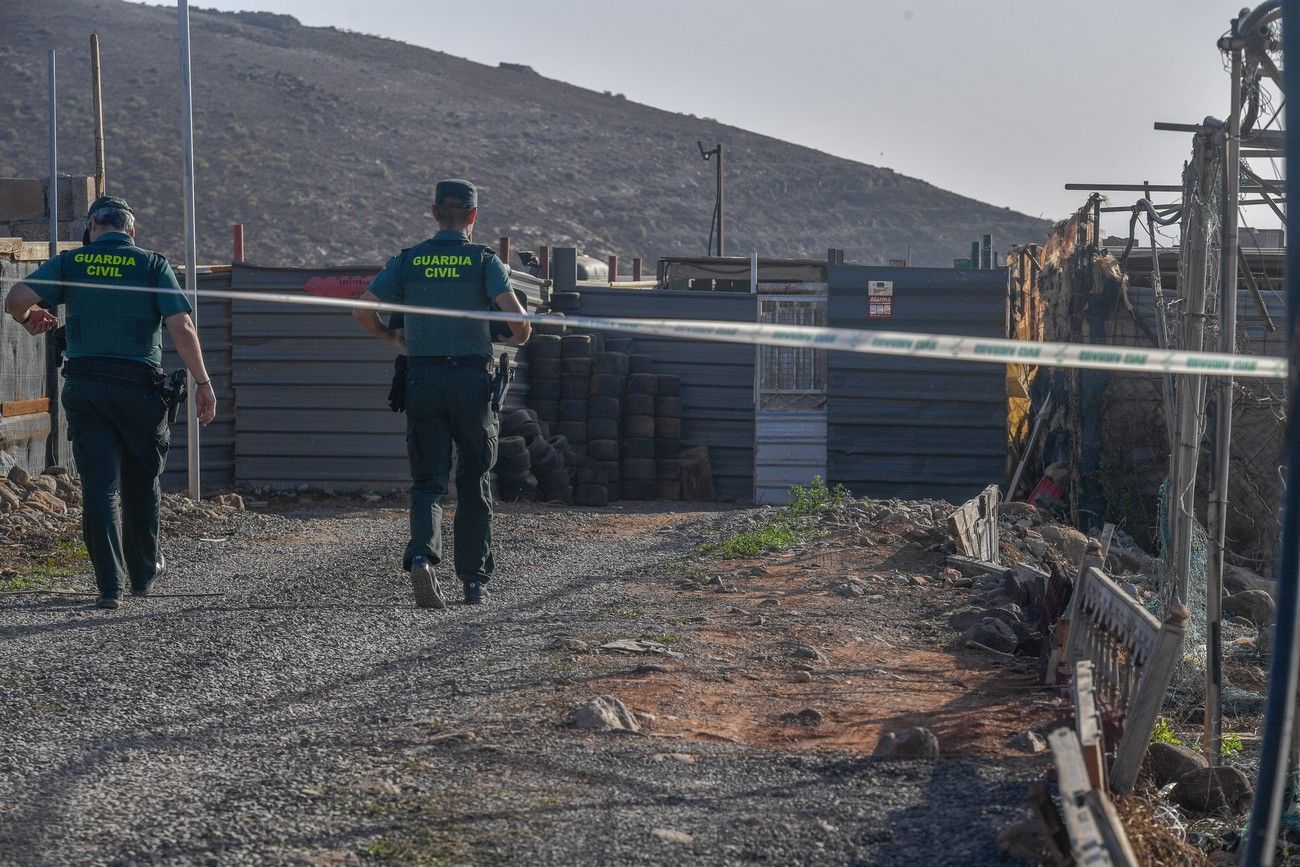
[(1003, 100)]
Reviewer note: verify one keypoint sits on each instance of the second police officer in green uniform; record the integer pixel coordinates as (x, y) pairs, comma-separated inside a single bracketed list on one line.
[(448, 386), (116, 395)]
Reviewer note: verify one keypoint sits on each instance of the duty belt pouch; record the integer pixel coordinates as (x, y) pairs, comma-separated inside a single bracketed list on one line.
[(397, 391)]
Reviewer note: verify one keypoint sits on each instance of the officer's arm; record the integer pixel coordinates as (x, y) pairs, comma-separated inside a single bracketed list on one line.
[(519, 331), (22, 303), (374, 326), (185, 337)]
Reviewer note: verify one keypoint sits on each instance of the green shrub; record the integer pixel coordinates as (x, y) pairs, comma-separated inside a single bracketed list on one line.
[(815, 498)]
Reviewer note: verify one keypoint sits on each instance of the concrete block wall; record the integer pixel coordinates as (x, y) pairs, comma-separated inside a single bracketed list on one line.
[(25, 213)]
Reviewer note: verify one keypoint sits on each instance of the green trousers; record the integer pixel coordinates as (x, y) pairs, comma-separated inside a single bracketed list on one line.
[(119, 440), (444, 405)]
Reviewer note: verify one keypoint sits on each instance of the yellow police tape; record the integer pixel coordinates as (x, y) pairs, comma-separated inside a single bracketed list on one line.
[(945, 347)]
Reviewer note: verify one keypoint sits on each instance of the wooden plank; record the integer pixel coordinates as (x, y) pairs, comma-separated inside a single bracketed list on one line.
[(12, 408), (1112, 829), (1107, 535), (1087, 723), (972, 566), (1086, 842)]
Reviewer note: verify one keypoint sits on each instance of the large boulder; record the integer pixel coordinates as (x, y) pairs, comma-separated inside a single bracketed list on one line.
[(1238, 580), (913, 743), (1254, 605), (1067, 540), (1171, 762), (604, 713), (19, 476), (993, 634), (1212, 790)]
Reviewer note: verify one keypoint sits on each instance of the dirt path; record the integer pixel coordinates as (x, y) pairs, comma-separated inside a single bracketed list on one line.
[(312, 715)]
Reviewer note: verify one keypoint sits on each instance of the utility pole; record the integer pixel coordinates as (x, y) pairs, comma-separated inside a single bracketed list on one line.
[(718, 206), (97, 112), (191, 230)]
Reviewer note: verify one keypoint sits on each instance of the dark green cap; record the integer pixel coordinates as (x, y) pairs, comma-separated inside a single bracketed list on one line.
[(456, 193), (109, 202)]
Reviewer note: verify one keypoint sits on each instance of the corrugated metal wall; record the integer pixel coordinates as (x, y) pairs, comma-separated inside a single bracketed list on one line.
[(717, 378), (791, 450), (217, 440), (311, 390), (900, 427)]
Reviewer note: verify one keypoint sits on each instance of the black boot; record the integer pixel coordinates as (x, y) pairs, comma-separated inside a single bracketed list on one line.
[(474, 593)]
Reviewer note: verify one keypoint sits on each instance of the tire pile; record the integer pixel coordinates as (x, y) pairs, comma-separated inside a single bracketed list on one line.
[(531, 463), (621, 418)]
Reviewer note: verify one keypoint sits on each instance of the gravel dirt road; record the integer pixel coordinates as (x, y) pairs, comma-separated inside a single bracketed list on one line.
[(311, 714)]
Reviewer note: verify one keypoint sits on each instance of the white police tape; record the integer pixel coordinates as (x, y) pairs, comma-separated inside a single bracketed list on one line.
[(944, 347)]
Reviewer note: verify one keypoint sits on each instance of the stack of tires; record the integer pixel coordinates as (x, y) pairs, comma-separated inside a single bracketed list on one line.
[(638, 464), (604, 416), (575, 382), (668, 437), (514, 468), (544, 368), (590, 484), (531, 464)]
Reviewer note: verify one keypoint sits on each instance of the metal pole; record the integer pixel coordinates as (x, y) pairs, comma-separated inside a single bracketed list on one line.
[(1261, 833), (613, 269), (721, 205), (503, 250), (544, 258), (52, 190), (1218, 505), (191, 232), (97, 107), (636, 269), (237, 242), (54, 448)]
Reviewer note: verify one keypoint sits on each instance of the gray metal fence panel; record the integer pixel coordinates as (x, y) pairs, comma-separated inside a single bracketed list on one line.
[(717, 378), (311, 390), (901, 427), (217, 440)]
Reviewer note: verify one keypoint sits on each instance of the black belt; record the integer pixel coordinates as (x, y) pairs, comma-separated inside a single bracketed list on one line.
[(451, 361), (173, 390), (109, 369)]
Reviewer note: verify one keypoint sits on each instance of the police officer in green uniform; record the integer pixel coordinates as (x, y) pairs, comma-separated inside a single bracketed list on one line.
[(448, 386), (115, 391)]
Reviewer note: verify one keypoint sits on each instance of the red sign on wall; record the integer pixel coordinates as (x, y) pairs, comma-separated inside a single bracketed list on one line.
[(338, 285)]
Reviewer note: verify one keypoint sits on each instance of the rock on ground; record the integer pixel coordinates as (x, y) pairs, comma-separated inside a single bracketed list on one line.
[(1169, 762), (1254, 605), (993, 634), (604, 713), (913, 743), (1212, 790)]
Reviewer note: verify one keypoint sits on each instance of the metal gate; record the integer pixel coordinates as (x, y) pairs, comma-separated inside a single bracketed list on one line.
[(789, 399)]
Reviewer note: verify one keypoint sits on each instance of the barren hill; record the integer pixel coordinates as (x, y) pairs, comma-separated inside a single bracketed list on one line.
[(325, 144)]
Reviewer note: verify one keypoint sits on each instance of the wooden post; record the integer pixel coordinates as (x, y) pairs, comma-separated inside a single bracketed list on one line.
[(1086, 843), (1190, 390), (613, 269), (97, 114), (1087, 722), (636, 269), (1144, 706), (544, 256), (237, 242), (503, 249)]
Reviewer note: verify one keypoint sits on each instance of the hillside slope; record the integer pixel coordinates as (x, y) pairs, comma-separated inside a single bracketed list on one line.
[(325, 144)]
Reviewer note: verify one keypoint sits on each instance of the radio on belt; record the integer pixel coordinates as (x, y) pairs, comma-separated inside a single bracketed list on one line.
[(880, 299)]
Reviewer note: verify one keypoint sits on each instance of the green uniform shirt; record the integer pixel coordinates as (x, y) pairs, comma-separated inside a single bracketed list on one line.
[(445, 271), (109, 322)]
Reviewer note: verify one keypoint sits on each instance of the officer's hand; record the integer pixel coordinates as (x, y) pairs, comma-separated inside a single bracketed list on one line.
[(39, 321), (205, 403), (397, 339)]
